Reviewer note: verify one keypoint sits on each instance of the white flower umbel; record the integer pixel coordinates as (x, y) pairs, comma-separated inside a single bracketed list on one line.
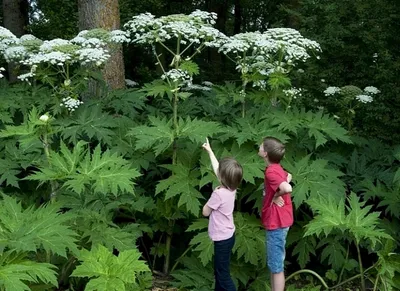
[(178, 76), (1, 70), (293, 92), (364, 98), (276, 50), (54, 58), (330, 91), (93, 56), (7, 38), (195, 28), (15, 53), (52, 45), (70, 103), (371, 90), (119, 36)]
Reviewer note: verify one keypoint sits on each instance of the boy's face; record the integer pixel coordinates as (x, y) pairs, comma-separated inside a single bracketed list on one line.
[(261, 152)]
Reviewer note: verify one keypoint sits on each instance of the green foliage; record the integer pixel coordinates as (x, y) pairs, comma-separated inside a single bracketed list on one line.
[(250, 240), (16, 271), (195, 276), (314, 178), (182, 183), (90, 123), (357, 221), (103, 172), (26, 230), (158, 136), (108, 272)]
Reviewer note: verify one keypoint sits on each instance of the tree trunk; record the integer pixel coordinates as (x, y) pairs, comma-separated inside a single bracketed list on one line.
[(15, 18), (105, 14)]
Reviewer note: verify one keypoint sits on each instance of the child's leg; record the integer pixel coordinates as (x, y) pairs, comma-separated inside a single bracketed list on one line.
[(276, 240), (222, 259)]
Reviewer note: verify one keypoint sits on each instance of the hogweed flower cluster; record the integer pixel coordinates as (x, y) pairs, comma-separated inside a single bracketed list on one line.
[(1, 70), (275, 50), (178, 76), (363, 96), (70, 103), (195, 28), (90, 48)]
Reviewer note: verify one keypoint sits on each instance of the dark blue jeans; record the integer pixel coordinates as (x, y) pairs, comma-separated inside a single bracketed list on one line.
[(222, 259)]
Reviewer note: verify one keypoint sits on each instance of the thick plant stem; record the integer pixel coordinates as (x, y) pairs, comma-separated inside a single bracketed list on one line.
[(342, 271), (310, 272), (184, 254), (47, 153), (168, 253), (361, 268), (353, 278)]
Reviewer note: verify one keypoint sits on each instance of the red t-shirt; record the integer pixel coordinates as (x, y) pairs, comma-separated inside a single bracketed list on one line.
[(273, 216)]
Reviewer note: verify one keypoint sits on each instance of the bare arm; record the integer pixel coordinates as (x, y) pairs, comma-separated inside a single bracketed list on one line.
[(283, 189), (214, 161), (206, 210)]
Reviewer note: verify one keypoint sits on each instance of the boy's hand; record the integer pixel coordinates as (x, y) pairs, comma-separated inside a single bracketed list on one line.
[(207, 146), (289, 178), (278, 201)]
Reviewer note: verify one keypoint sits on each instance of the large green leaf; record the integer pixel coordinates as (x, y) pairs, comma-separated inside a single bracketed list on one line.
[(159, 135), (108, 272), (313, 179), (26, 230), (182, 183), (104, 172)]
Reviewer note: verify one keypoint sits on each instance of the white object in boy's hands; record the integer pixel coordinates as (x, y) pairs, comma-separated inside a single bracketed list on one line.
[(289, 178)]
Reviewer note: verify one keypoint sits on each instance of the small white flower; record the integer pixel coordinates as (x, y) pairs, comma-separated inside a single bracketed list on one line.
[(70, 103), (1, 70), (336, 117), (364, 98), (331, 91), (371, 90), (323, 80), (44, 118)]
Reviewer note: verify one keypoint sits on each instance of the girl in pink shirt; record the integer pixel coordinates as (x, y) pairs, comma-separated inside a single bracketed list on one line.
[(219, 208)]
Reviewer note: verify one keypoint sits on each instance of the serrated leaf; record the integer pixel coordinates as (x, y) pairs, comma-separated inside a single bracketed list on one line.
[(159, 135), (246, 155), (313, 179), (15, 275), (104, 172), (194, 275), (91, 123), (250, 239), (182, 183), (30, 229), (204, 245), (108, 272), (157, 88), (189, 66), (358, 221), (197, 130)]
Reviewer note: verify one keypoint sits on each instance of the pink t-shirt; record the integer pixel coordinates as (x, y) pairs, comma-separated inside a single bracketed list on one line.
[(222, 203)]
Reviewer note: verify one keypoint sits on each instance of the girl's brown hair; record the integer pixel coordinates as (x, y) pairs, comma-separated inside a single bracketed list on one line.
[(230, 173)]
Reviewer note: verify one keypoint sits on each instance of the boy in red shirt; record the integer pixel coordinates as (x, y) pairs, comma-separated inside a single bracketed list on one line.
[(277, 210)]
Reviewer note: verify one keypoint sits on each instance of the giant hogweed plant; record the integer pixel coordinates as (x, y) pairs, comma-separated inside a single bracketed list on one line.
[(168, 133)]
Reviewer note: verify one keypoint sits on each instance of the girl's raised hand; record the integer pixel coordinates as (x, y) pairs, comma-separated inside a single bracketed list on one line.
[(207, 146)]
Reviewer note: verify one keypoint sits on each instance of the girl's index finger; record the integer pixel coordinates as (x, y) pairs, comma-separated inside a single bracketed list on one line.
[(207, 140)]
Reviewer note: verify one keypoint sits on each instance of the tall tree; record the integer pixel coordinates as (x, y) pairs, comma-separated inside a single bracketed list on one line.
[(16, 19), (105, 14)]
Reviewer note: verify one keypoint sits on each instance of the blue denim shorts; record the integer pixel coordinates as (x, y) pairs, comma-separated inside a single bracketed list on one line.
[(275, 244)]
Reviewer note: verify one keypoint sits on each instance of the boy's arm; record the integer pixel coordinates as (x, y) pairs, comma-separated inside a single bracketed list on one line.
[(214, 161), (283, 189)]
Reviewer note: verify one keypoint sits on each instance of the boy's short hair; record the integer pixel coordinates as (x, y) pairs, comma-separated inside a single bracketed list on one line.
[(230, 173), (274, 148)]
